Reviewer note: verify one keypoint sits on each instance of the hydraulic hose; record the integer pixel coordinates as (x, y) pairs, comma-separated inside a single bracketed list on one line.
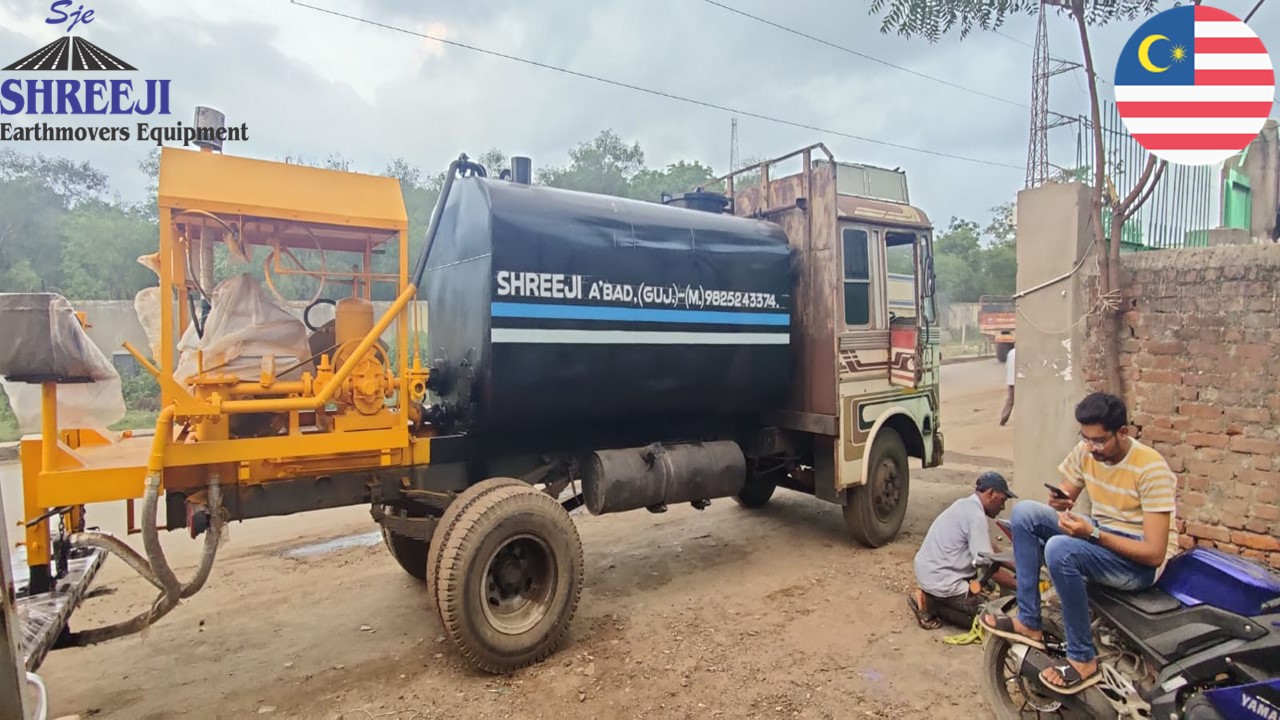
[(155, 568)]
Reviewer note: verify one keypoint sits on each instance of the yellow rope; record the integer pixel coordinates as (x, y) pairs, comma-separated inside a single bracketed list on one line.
[(974, 635)]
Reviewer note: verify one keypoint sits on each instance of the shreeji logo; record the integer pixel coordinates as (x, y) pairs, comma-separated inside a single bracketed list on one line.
[(64, 96)]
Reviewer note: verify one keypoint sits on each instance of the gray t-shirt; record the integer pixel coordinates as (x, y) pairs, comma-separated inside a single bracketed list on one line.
[(945, 562)]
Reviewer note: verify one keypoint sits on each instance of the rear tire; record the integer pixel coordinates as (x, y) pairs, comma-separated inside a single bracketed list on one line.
[(996, 687), (411, 553), (875, 511), (510, 578), (441, 534), (758, 488)]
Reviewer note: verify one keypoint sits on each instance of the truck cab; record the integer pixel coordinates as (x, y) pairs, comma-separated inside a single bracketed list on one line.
[(865, 373)]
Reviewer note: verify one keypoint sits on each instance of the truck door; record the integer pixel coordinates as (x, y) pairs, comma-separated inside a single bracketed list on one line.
[(902, 273)]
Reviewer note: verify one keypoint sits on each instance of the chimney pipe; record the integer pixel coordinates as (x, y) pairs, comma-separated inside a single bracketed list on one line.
[(522, 170), (207, 117)]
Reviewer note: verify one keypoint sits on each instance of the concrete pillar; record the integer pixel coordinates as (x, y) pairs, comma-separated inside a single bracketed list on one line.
[(1053, 233)]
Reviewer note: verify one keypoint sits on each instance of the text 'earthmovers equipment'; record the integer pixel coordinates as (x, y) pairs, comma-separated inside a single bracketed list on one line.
[(581, 350)]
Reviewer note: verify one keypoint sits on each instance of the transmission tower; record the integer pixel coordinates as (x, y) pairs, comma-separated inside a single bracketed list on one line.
[(1042, 120), (733, 145)]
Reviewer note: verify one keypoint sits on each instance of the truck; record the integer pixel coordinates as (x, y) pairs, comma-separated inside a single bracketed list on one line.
[(997, 320), (582, 351)]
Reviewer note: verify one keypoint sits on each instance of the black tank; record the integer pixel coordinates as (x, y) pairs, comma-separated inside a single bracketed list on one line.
[(560, 311)]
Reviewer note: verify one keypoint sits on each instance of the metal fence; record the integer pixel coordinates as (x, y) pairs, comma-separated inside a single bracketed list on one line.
[(1179, 212)]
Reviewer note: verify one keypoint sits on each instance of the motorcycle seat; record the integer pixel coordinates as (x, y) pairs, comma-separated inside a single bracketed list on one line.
[(1152, 600)]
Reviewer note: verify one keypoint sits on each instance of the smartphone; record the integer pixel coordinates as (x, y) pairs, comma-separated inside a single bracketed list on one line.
[(1057, 492)]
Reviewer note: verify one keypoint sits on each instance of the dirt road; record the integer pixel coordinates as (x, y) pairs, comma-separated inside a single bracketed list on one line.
[(721, 613)]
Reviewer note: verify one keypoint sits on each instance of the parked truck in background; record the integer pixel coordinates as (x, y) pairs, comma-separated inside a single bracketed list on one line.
[(997, 317)]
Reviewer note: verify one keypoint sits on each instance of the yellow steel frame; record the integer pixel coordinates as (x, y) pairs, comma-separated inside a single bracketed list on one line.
[(340, 211)]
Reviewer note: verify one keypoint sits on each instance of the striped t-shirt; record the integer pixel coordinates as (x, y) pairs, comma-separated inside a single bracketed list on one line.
[(1141, 482)]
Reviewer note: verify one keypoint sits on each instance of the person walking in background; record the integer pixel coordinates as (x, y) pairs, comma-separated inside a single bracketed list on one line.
[(1009, 374)]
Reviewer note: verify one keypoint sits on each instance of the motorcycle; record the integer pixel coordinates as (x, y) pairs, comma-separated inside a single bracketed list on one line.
[(1203, 643)]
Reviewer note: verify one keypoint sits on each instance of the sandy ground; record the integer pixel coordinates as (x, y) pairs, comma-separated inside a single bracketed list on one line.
[(721, 613)]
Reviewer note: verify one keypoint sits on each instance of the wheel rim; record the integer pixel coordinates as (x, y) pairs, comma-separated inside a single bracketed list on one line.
[(886, 487), (517, 585)]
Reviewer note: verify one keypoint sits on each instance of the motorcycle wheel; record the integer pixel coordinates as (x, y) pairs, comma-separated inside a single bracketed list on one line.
[(1011, 696)]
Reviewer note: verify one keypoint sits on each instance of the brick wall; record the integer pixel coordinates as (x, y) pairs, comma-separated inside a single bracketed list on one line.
[(1199, 345)]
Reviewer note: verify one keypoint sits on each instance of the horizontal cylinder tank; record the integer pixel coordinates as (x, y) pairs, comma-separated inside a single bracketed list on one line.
[(632, 478), (552, 309)]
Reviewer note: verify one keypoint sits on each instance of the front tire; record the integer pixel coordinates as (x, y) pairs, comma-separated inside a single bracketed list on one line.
[(875, 511), (510, 578)]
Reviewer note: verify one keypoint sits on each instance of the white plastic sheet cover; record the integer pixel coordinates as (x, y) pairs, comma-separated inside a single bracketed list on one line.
[(147, 306), (35, 351), (244, 326)]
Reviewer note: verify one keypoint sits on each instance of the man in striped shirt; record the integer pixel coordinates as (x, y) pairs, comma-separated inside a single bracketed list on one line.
[(1124, 545)]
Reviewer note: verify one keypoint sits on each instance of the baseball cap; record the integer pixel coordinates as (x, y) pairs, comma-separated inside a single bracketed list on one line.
[(992, 480)]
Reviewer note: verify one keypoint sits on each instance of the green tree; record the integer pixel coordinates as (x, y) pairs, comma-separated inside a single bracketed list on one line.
[(677, 178), (30, 255), (604, 165), (934, 18), (101, 244)]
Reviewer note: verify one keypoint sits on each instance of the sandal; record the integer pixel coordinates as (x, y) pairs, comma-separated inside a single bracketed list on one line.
[(1005, 628), (1069, 675), (928, 622)]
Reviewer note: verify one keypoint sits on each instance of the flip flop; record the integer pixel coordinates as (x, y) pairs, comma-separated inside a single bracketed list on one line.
[(1004, 628), (1074, 681), (925, 621)]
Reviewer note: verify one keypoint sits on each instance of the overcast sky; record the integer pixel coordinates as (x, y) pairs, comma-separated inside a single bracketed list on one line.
[(309, 83)]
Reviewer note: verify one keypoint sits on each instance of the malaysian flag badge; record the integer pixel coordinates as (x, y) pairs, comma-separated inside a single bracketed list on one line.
[(1194, 85)]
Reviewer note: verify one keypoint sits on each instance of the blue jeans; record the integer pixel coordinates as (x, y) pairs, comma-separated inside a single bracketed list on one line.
[(1072, 562)]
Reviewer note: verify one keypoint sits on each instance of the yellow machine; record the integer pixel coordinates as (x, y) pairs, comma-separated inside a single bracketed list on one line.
[(585, 351), (231, 444)]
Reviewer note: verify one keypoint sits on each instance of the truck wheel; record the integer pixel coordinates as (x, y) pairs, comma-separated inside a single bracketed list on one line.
[(758, 488), (441, 534), (510, 578), (411, 553), (876, 510)]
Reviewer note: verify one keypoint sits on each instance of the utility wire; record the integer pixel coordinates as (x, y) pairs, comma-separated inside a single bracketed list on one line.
[(872, 58), (659, 93)]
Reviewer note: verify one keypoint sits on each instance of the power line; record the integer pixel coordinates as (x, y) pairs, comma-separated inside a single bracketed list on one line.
[(658, 93), (872, 58)]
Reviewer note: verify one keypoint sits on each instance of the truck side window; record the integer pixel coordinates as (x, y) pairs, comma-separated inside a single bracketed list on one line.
[(857, 278)]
